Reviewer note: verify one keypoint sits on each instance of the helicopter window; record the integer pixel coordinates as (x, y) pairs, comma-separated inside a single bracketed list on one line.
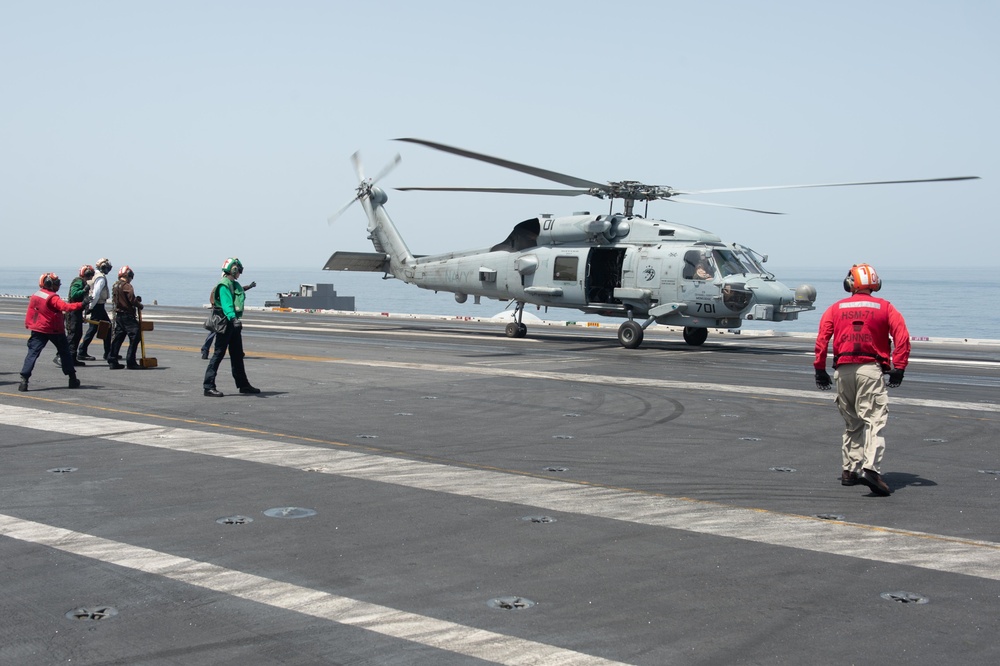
[(698, 266), (729, 263), (750, 261), (565, 269)]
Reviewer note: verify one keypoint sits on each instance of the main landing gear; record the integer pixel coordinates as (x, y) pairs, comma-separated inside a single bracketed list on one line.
[(630, 334), (695, 336), (516, 328)]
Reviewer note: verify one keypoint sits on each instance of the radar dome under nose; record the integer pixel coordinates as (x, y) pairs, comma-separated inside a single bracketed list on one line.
[(805, 293)]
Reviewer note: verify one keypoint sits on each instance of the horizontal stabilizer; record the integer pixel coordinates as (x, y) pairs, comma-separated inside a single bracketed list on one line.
[(375, 262)]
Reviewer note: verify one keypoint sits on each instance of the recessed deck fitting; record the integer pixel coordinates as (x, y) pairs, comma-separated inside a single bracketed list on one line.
[(905, 597), (234, 520), (290, 512), (510, 603), (92, 613)]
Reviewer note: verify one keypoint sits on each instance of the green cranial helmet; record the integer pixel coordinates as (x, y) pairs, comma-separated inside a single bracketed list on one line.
[(231, 264)]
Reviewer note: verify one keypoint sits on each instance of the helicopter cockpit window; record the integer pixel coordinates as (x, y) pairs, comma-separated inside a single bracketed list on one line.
[(750, 261), (698, 265), (729, 263), (565, 269)]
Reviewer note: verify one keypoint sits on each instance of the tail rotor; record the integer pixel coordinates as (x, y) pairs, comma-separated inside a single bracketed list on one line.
[(364, 189)]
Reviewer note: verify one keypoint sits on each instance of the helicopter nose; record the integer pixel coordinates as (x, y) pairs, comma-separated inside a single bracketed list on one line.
[(768, 292), (774, 301)]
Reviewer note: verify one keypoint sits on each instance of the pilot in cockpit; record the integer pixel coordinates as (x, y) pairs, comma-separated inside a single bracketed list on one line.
[(698, 266)]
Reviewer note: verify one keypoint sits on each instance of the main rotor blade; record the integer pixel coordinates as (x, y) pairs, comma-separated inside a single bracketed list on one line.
[(555, 177), (500, 190), (794, 187), (706, 203)]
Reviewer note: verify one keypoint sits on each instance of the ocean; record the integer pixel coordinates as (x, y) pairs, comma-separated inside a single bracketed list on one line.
[(939, 303)]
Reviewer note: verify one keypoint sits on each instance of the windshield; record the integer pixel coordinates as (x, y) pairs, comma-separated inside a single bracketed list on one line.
[(729, 263), (750, 260)]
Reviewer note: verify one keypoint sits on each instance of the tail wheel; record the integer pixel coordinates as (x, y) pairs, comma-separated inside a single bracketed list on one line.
[(695, 336), (516, 330), (630, 335)]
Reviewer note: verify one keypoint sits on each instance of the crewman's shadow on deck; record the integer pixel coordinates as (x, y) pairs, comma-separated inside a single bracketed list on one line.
[(899, 480)]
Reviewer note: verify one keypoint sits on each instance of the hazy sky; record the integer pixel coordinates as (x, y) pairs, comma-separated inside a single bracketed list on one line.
[(179, 133)]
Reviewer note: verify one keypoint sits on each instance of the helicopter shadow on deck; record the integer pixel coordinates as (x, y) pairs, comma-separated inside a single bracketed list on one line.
[(593, 343), (583, 342)]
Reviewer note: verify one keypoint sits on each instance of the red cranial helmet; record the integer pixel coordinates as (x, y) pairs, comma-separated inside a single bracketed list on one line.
[(49, 281), (86, 271), (125, 271)]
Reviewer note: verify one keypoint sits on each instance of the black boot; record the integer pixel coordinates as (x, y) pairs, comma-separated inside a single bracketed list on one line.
[(74, 382), (23, 386)]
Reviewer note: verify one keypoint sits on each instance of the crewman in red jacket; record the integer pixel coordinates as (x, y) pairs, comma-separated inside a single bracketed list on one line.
[(869, 339), (44, 319)]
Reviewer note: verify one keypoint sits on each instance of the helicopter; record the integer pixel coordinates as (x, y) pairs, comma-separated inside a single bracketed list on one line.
[(618, 264)]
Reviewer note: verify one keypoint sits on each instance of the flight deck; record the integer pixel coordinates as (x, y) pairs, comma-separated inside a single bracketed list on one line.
[(429, 491)]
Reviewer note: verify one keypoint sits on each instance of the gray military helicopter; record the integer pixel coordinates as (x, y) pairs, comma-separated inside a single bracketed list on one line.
[(615, 265)]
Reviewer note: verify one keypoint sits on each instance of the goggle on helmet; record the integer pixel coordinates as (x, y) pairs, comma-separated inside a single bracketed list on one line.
[(49, 281), (862, 277)]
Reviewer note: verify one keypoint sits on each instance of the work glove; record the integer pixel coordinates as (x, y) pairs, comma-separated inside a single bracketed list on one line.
[(237, 324), (823, 381), (250, 286), (895, 378)]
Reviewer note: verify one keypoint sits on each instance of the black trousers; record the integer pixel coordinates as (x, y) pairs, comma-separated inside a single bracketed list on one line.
[(231, 340), (74, 330), (97, 314), (125, 325)]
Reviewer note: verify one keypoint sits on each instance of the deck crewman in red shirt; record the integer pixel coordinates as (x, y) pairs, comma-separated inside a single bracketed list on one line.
[(869, 339), (45, 321)]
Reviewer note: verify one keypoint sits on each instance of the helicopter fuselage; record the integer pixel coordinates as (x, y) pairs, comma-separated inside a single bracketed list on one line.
[(609, 265)]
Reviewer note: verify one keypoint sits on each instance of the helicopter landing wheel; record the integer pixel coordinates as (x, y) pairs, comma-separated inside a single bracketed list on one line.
[(630, 335), (516, 330), (695, 336)]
